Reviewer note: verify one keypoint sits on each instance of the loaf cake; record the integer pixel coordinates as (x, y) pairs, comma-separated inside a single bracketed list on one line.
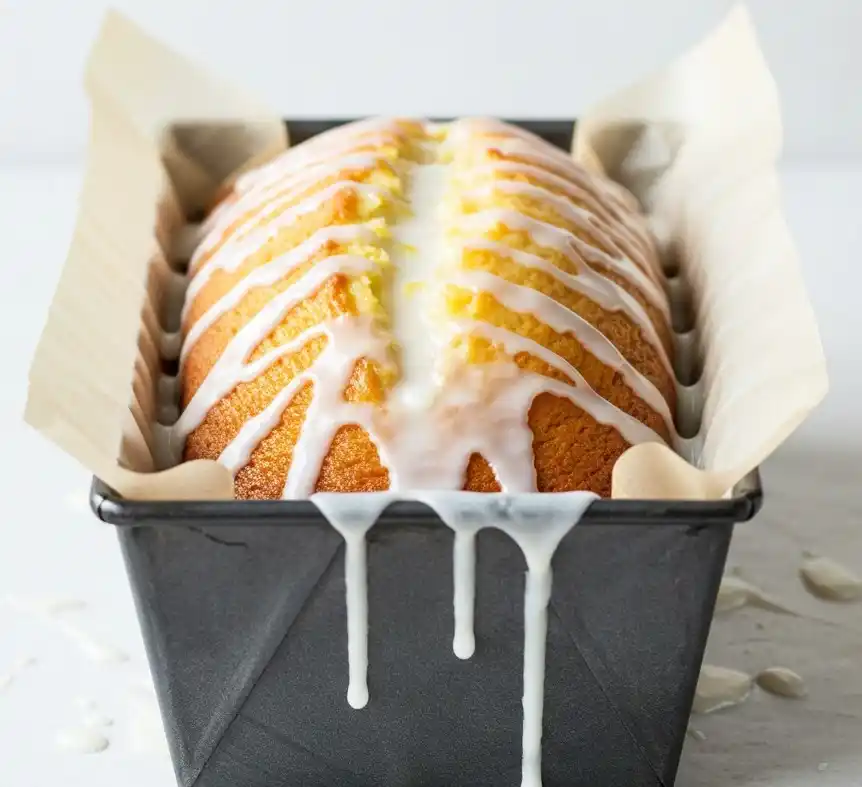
[(403, 305)]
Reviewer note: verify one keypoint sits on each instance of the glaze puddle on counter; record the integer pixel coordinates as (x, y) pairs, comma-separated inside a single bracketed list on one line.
[(537, 523), (56, 611), (82, 740), (11, 675)]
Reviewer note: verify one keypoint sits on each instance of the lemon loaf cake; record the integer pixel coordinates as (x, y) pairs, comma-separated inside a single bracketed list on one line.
[(403, 305)]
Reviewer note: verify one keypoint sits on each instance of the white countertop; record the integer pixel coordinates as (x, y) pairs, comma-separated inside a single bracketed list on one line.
[(54, 549)]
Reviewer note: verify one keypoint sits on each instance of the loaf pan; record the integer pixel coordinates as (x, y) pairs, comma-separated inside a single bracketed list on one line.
[(242, 608)]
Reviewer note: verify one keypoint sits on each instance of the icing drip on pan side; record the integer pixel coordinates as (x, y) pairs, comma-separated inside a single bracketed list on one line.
[(536, 522)]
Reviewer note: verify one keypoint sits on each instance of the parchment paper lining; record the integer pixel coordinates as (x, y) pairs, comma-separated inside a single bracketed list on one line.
[(697, 144)]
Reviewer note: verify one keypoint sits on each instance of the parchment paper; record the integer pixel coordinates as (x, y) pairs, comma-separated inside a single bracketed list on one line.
[(164, 135), (697, 143)]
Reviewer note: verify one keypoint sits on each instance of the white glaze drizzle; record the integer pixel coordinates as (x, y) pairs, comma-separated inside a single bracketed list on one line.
[(603, 291), (514, 140), (524, 145), (571, 213), (349, 338), (252, 235), (353, 516), (537, 523), (433, 451), (612, 197), (626, 221), (257, 198), (231, 367), (416, 452), (575, 249), (464, 591), (331, 371), (289, 167), (514, 343), (518, 298), (319, 147), (270, 273), (416, 257), (329, 411)]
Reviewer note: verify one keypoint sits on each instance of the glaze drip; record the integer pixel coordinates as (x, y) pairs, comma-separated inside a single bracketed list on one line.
[(417, 254), (537, 523)]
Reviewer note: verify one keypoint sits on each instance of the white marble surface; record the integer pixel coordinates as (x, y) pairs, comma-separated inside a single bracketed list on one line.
[(52, 548)]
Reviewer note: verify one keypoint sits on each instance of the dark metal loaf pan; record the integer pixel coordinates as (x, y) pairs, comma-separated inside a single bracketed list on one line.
[(242, 606)]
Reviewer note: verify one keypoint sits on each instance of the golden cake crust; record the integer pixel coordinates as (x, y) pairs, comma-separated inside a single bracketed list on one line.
[(497, 174)]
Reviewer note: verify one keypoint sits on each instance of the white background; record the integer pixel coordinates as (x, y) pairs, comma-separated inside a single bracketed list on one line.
[(541, 57), (503, 57)]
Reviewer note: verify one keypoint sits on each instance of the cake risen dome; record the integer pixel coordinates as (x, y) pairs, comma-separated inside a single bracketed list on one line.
[(402, 305)]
